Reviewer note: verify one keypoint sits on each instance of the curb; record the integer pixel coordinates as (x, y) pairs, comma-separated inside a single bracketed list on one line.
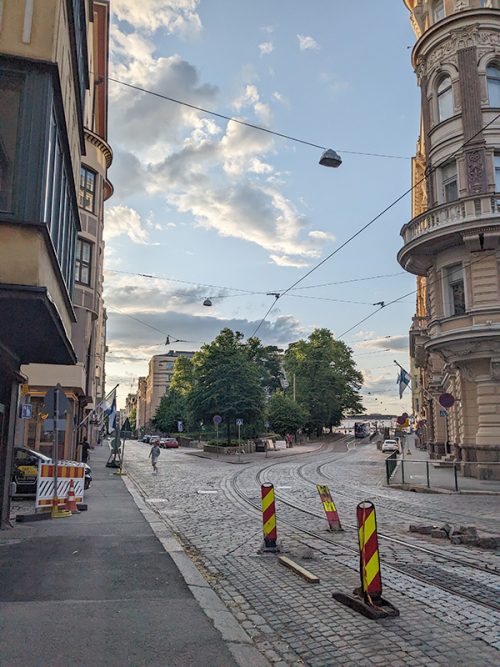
[(238, 641)]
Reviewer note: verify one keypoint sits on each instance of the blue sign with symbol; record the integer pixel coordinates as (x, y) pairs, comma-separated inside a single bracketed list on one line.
[(239, 422), (26, 411), (217, 419)]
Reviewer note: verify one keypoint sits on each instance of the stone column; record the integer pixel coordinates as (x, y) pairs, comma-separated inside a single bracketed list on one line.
[(488, 432)]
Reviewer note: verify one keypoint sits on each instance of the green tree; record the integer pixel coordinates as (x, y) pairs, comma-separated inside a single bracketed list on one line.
[(182, 379), (269, 359), (226, 382), (285, 414), (133, 417), (172, 408), (327, 381)]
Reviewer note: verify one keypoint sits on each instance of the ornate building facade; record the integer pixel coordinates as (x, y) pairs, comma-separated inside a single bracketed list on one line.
[(452, 242)]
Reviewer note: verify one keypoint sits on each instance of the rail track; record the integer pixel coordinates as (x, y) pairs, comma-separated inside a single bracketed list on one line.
[(428, 572)]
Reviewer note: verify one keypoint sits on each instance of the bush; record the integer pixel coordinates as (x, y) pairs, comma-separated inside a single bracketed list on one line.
[(222, 443)]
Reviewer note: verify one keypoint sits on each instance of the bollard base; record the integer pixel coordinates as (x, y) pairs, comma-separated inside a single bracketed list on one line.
[(270, 548), (335, 528), (383, 608)]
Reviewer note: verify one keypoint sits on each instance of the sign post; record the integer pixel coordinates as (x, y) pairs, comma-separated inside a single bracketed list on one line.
[(217, 420), (56, 404), (239, 424)]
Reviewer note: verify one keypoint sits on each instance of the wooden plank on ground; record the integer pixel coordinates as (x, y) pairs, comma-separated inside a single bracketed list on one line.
[(298, 569)]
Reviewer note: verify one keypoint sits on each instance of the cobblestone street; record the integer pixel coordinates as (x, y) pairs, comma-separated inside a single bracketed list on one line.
[(447, 594)]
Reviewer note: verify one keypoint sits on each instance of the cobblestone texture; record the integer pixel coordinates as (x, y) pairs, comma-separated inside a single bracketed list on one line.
[(294, 623)]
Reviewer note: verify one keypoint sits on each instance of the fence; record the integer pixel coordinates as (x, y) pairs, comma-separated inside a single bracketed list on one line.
[(443, 475)]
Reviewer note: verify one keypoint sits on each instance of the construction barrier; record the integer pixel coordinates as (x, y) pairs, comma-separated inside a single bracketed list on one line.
[(367, 599), (269, 518), (369, 559), (332, 516), (65, 474)]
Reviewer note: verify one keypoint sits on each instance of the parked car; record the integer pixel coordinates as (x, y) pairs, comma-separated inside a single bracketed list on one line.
[(25, 472), (154, 439), (170, 443), (390, 446), (146, 438)]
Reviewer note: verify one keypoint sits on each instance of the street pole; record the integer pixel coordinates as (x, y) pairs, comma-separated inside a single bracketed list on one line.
[(55, 452), (217, 436), (239, 443)]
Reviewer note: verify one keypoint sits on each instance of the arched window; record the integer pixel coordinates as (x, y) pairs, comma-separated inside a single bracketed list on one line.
[(445, 99), (493, 81)]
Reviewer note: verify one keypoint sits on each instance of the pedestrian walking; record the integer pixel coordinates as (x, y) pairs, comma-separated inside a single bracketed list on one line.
[(153, 455), (85, 445)]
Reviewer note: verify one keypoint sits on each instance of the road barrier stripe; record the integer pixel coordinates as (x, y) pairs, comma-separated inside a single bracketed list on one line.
[(269, 516), (371, 579), (332, 515)]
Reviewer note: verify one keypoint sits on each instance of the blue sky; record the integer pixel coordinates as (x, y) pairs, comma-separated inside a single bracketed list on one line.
[(217, 207)]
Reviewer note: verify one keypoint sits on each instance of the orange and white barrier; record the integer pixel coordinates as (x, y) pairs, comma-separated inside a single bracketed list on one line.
[(66, 473)]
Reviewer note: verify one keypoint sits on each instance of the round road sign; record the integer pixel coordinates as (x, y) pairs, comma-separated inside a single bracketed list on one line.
[(446, 400), (217, 419)]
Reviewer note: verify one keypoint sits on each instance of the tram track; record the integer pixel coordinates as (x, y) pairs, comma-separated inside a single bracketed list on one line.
[(408, 570)]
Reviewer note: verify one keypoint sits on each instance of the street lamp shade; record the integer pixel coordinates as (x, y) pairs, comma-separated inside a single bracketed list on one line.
[(330, 159), (207, 302)]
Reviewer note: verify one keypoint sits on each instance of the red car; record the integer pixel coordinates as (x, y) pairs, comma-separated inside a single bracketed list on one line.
[(168, 443)]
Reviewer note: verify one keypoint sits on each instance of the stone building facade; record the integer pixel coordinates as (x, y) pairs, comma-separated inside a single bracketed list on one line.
[(452, 242)]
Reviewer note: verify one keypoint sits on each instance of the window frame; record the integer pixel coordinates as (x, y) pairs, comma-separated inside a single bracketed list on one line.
[(444, 97), (496, 170), (447, 181), (84, 190), (438, 11), (493, 81), (81, 263), (449, 296)]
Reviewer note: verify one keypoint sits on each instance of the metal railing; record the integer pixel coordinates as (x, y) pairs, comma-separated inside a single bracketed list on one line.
[(448, 475)]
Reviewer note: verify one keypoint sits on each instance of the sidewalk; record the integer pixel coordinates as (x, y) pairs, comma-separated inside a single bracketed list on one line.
[(100, 589)]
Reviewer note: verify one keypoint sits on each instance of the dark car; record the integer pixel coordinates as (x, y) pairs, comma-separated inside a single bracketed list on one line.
[(25, 473)]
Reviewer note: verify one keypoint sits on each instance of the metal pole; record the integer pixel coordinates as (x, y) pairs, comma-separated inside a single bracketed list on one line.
[(402, 471), (217, 436), (387, 472), (455, 474), (428, 477), (239, 443), (55, 448)]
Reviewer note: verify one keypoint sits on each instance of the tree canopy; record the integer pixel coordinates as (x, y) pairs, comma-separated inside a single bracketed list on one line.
[(285, 415)]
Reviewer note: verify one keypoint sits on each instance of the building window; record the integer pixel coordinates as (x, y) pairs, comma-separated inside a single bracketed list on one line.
[(438, 10), (456, 290), (87, 189), (83, 261), (497, 173), (493, 81), (450, 182), (10, 106), (445, 99)]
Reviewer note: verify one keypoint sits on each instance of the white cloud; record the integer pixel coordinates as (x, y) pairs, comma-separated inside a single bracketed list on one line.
[(125, 221), (279, 97), (394, 343), (306, 42), (283, 260), (266, 48), (176, 16)]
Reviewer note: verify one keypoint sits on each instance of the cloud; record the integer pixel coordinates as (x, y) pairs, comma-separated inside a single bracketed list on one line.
[(279, 97), (394, 343), (176, 16), (266, 48), (124, 221), (307, 42)]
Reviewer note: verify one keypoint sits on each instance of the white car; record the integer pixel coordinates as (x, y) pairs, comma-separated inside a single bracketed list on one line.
[(390, 446)]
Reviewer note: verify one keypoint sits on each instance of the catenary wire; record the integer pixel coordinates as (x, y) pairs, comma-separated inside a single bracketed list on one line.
[(150, 326), (429, 171), (251, 125)]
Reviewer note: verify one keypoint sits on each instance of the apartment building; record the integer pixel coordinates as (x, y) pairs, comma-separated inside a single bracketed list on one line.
[(161, 367), (452, 242)]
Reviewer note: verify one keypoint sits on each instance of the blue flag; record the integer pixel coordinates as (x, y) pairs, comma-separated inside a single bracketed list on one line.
[(403, 381)]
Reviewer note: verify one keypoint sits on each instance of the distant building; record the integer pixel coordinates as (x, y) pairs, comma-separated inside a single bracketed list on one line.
[(161, 367), (452, 242), (141, 405)]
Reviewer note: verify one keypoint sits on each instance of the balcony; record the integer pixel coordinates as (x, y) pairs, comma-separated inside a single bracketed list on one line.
[(418, 338), (445, 225)]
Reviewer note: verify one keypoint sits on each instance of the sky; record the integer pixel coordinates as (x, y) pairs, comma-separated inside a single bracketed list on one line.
[(214, 209)]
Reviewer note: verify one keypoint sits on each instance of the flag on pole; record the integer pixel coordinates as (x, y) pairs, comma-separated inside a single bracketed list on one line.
[(111, 413), (403, 381)]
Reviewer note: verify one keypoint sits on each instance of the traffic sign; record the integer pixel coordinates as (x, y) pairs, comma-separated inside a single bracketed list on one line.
[(443, 413), (446, 400), (180, 426), (217, 419), (239, 422), (26, 411), (50, 401)]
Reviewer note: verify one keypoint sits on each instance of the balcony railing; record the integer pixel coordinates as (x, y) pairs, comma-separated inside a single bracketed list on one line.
[(485, 208)]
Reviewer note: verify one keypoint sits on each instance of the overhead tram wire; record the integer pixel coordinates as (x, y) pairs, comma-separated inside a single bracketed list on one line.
[(375, 218), (150, 326), (247, 124), (403, 296)]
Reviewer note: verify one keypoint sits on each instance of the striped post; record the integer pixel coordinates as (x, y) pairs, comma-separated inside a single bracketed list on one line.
[(369, 562), (332, 516), (269, 517)]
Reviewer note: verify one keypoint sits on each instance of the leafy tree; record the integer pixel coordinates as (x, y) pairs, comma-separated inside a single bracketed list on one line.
[(269, 360), (226, 382), (132, 418), (182, 379), (172, 408), (326, 378), (285, 414)]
